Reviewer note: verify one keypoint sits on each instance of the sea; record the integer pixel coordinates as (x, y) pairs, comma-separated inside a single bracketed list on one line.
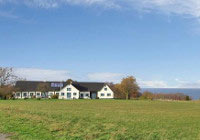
[(194, 93)]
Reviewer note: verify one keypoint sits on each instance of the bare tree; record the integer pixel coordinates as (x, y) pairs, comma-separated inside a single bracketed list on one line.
[(7, 76)]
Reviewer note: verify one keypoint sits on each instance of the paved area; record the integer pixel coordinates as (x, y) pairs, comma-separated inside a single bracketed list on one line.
[(3, 137)]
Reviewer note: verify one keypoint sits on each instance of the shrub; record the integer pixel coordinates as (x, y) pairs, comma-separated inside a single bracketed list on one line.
[(38, 98), (55, 96), (187, 98), (165, 96), (147, 95), (33, 97)]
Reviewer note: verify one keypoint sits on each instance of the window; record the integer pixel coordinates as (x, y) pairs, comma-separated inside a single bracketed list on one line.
[(18, 94), (74, 94), (68, 89), (81, 95), (25, 94), (102, 94), (31, 94), (38, 94), (105, 89), (86, 95), (63, 94), (108, 94), (57, 93)]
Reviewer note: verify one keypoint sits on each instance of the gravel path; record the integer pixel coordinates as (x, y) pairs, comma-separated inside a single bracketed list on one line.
[(3, 137)]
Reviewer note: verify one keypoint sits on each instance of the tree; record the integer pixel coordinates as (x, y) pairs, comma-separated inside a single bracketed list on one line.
[(116, 89), (7, 76), (6, 91), (69, 81), (147, 95), (43, 88), (7, 82), (129, 87), (118, 93)]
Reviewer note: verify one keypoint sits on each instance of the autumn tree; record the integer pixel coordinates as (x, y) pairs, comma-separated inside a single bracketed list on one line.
[(115, 88), (6, 92), (69, 81), (118, 93), (147, 95), (129, 87)]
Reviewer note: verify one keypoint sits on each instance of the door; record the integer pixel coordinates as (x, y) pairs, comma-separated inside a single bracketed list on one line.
[(81, 96), (69, 95), (94, 96)]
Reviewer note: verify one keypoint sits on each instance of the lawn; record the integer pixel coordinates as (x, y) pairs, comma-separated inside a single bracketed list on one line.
[(100, 119)]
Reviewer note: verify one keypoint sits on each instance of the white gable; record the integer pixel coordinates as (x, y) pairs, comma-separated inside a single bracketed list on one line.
[(69, 92), (105, 93)]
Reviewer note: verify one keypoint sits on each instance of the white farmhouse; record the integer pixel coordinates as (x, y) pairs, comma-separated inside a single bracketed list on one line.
[(75, 90)]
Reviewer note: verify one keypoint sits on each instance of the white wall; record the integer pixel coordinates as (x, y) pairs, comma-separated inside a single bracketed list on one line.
[(65, 91), (38, 94), (28, 94), (85, 95), (105, 92)]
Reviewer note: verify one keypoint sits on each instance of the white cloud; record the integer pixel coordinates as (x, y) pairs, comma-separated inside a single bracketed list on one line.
[(152, 84), (105, 77), (180, 7), (57, 3), (42, 74), (189, 8), (187, 84), (8, 15)]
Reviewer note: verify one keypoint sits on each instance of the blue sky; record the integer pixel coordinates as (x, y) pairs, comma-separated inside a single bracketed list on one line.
[(157, 41)]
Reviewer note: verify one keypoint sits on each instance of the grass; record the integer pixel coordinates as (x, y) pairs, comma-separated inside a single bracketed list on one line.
[(100, 119)]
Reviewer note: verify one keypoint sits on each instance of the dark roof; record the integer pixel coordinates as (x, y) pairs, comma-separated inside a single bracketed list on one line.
[(88, 86), (81, 86), (33, 85)]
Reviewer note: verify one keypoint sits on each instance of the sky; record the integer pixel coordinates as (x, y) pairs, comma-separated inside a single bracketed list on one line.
[(156, 41)]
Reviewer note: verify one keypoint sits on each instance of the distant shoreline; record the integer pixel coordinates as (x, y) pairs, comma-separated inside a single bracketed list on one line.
[(192, 92)]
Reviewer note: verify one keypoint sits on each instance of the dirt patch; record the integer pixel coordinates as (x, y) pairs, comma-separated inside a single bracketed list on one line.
[(4, 137)]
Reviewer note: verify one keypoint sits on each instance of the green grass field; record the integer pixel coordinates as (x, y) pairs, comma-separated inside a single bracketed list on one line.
[(100, 119)]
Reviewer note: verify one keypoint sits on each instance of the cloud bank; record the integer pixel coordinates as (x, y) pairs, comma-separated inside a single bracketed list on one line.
[(187, 84), (188, 8), (42, 74), (152, 84), (105, 77)]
